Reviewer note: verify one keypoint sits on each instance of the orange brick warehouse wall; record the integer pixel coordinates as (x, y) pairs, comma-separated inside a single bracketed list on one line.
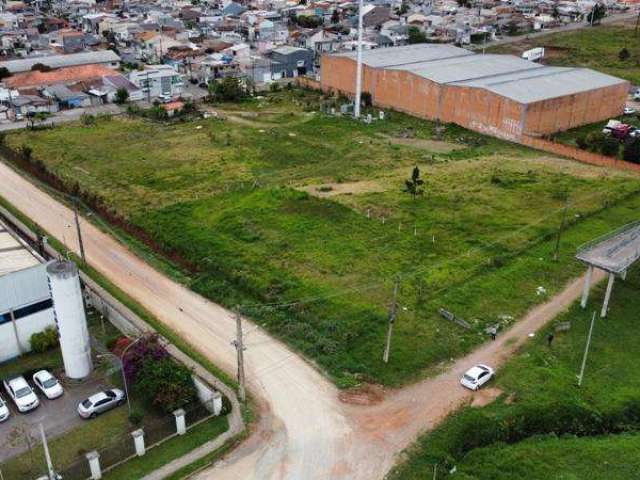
[(473, 108)]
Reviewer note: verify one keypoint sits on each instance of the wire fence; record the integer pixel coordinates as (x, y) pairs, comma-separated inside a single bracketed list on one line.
[(112, 449)]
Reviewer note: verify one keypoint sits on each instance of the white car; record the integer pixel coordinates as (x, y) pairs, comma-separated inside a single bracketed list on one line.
[(477, 376), (629, 110), (22, 394), (636, 96), (48, 384), (101, 402), (4, 410)]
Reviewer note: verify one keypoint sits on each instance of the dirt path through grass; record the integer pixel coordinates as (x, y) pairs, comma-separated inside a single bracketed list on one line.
[(397, 422)]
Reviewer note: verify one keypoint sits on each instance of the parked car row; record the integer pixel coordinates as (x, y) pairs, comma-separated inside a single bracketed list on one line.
[(23, 395), (619, 130), (25, 398)]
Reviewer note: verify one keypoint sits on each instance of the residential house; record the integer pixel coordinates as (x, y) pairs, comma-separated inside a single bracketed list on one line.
[(157, 80)]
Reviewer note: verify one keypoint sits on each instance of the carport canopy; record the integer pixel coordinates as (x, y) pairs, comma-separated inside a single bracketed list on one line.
[(614, 253)]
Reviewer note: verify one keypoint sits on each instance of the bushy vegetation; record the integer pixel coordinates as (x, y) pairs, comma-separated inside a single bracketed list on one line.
[(157, 378), (44, 340), (542, 409), (236, 202)]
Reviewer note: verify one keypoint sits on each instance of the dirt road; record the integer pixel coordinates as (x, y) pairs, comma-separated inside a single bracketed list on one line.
[(306, 432)]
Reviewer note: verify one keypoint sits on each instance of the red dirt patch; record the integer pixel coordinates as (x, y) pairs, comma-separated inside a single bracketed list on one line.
[(366, 394), (485, 396)]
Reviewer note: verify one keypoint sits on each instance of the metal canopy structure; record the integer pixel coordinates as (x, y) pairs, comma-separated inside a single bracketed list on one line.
[(614, 253)]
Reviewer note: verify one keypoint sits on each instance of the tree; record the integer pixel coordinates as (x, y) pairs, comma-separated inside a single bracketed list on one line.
[(122, 95), (4, 73), (413, 185), (166, 384), (555, 13), (632, 149), (596, 14), (308, 21), (624, 54), (416, 35), (229, 89), (335, 17)]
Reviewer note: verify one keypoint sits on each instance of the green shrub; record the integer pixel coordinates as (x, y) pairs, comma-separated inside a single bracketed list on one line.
[(226, 406), (165, 384), (136, 417), (581, 142), (610, 146), (44, 340)]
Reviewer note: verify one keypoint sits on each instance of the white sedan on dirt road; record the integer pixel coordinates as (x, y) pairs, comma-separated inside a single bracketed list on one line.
[(48, 384), (477, 376)]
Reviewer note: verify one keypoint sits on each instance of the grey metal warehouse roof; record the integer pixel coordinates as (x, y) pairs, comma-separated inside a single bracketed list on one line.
[(506, 75), (58, 61), (468, 68), (389, 57), (550, 82)]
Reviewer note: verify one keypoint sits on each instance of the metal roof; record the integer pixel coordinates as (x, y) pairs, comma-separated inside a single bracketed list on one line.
[(469, 68), (58, 61), (614, 252), (548, 83), (505, 75), (14, 255), (394, 56)]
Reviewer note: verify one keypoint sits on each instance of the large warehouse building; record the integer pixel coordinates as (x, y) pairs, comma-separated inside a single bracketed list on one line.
[(500, 95)]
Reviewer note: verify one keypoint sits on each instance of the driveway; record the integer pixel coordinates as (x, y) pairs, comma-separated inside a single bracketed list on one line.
[(305, 431), (57, 417)]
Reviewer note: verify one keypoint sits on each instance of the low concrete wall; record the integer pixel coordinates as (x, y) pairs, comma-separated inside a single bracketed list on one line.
[(578, 154)]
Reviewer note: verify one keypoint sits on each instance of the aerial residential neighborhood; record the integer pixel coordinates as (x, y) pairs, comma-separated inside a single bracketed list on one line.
[(251, 239)]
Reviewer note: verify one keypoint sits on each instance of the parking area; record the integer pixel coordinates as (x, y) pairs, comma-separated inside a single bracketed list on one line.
[(57, 416)]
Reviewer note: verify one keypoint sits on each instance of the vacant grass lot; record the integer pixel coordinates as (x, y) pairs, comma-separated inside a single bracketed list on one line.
[(302, 220), (596, 48), (544, 425)]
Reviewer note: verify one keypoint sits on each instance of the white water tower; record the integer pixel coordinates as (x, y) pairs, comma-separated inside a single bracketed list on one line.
[(68, 307)]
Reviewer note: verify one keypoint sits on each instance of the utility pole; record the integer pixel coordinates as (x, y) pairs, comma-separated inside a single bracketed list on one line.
[(51, 474), (78, 231), (586, 350), (240, 351), (356, 107), (392, 320), (564, 219)]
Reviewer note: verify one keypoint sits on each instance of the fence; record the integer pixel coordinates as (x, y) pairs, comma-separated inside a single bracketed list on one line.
[(578, 154), (122, 447)]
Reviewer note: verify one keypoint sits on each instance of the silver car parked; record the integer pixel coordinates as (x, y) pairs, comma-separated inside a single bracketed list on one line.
[(101, 402)]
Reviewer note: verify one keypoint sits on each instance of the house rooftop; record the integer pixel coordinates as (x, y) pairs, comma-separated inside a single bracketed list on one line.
[(62, 75)]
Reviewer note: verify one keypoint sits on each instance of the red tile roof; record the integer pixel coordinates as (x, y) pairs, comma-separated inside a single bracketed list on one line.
[(61, 75)]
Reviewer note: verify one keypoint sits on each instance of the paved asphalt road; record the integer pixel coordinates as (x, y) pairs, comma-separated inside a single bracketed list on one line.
[(306, 431)]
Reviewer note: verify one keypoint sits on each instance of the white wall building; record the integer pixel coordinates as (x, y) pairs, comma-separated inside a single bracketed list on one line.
[(157, 80), (25, 301)]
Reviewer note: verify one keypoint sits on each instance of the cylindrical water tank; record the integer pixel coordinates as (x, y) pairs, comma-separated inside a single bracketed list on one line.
[(68, 306)]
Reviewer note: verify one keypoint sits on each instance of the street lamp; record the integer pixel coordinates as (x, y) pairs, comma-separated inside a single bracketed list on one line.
[(121, 360)]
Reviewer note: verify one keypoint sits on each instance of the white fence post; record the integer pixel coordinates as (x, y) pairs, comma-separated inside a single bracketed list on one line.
[(216, 403), (94, 465), (138, 439), (181, 426)]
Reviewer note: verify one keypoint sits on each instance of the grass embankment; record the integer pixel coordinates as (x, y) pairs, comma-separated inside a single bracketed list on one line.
[(544, 425), (598, 48), (226, 197)]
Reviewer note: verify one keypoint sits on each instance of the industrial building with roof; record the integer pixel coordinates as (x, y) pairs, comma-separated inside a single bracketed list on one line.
[(500, 95)]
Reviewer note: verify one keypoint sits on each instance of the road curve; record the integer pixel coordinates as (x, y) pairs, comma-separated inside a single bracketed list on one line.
[(305, 431)]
